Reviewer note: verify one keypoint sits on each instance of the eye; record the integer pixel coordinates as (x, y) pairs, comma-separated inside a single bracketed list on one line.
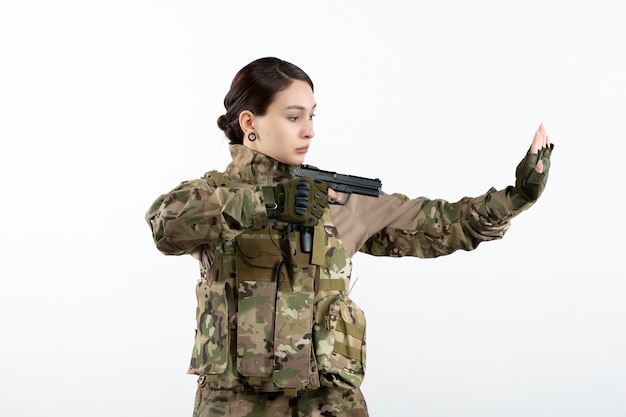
[(311, 117), (293, 118)]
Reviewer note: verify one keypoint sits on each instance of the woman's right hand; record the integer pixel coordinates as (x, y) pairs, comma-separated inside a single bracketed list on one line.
[(299, 201)]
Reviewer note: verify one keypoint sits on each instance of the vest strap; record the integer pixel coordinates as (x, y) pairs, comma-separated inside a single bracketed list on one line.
[(291, 392), (210, 377), (327, 284), (347, 351), (318, 257), (350, 329), (270, 202), (255, 381)]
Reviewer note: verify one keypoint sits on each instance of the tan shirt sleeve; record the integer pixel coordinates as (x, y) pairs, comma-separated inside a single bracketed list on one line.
[(394, 225)]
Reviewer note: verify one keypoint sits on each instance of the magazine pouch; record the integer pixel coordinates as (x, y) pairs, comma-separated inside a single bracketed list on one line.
[(260, 258), (340, 343), (255, 328), (292, 339), (214, 315)]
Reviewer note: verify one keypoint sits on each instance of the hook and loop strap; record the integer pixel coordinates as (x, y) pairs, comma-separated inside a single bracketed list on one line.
[(270, 202)]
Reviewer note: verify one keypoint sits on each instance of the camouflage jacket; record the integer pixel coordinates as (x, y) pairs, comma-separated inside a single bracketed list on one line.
[(273, 318)]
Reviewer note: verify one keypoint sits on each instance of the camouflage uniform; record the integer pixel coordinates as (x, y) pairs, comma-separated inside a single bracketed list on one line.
[(277, 334)]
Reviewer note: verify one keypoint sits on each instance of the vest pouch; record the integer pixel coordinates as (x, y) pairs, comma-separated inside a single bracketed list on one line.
[(340, 344), (255, 328), (293, 340), (212, 340)]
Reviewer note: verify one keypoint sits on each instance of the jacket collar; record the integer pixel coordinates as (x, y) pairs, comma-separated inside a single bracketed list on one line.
[(252, 167)]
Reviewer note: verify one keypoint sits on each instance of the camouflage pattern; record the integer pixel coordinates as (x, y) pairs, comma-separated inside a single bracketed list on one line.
[(341, 344), (255, 328), (323, 402), (215, 308), (197, 212), (442, 227), (276, 332), (275, 329), (207, 352), (293, 339)]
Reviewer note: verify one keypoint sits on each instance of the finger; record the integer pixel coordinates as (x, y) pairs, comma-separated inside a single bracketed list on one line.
[(333, 195), (539, 166), (537, 139), (544, 136)]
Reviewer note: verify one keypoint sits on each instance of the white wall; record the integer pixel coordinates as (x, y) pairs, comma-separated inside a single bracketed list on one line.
[(106, 105)]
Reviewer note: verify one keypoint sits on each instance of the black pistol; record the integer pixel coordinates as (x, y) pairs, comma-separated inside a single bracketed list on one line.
[(339, 182)]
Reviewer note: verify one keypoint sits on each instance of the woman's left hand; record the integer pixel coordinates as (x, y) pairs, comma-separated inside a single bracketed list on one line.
[(541, 141), (531, 174)]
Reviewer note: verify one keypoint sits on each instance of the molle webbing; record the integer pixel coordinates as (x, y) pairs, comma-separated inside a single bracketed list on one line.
[(260, 254), (329, 284), (351, 330), (276, 291)]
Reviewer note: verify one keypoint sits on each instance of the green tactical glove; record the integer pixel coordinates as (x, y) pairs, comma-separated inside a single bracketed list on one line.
[(529, 184), (300, 201)]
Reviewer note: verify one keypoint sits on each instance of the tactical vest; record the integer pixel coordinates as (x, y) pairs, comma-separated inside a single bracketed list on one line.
[(273, 318)]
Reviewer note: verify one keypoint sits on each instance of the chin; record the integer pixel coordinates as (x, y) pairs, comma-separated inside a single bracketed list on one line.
[(297, 161)]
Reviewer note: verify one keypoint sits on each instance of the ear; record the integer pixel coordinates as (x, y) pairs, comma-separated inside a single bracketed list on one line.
[(246, 118)]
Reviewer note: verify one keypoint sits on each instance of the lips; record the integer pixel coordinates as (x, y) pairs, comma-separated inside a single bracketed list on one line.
[(304, 149)]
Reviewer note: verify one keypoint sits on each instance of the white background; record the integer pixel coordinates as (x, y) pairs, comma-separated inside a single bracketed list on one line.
[(106, 105)]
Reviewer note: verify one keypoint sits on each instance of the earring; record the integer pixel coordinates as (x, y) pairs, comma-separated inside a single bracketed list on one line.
[(251, 136)]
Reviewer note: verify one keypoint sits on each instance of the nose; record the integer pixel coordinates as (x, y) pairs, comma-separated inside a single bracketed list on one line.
[(309, 132)]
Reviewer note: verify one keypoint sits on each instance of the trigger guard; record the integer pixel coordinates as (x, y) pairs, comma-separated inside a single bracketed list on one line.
[(341, 203)]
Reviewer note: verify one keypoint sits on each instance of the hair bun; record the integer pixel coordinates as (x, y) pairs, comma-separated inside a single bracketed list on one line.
[(231, 129), (222, 122)]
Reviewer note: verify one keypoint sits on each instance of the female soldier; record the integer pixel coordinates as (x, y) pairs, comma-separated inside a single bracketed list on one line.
[(277, 334)]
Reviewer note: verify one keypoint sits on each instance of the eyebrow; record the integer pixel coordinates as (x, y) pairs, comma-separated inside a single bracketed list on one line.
[(298, 107)]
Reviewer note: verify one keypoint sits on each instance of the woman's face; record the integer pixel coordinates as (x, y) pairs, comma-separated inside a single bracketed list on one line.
[(285, 131)]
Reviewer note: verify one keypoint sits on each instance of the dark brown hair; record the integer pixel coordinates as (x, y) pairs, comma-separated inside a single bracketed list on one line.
[(253, 89)]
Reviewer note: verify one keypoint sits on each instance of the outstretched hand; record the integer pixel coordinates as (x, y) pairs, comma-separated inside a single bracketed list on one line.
[(531, 174), (541, 141)]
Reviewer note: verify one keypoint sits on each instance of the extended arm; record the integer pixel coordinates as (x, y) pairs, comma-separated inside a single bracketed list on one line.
[(395, 225)]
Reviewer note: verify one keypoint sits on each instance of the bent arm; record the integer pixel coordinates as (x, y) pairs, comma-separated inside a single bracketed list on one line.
[(195, 213)]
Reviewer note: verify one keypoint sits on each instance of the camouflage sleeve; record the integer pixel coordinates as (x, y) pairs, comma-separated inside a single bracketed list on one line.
[(442, 227), (195, 213)]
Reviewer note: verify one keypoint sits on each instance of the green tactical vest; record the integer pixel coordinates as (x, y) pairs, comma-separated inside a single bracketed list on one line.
[(273, 318)]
